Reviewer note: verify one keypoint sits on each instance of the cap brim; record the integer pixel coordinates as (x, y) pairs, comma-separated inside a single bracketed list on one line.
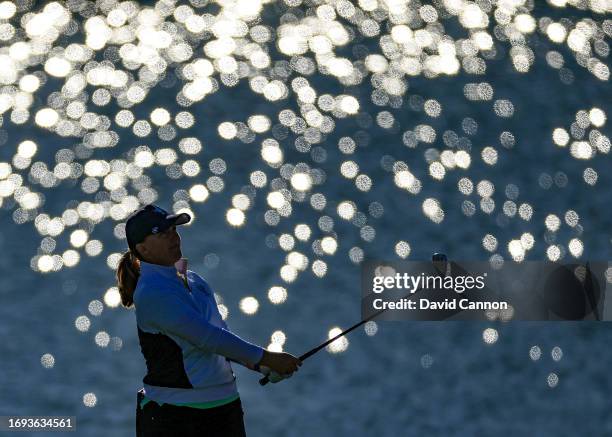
[(178, 219)]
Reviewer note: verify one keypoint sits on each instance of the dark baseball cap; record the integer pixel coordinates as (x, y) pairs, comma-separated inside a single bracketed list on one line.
[(150, 220)]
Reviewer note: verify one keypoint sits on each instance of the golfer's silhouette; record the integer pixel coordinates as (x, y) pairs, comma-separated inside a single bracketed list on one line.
[(190, 387)]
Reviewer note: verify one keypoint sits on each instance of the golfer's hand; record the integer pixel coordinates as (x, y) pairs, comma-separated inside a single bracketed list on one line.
[(280, 362), (273, 377)]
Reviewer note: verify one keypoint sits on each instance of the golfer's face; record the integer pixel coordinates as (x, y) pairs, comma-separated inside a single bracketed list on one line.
[(164, 247)]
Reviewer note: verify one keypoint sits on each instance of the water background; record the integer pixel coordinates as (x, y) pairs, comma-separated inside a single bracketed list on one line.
[(378, 386)]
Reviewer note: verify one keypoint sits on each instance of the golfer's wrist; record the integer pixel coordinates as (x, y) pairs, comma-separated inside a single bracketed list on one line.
[(264, 361)]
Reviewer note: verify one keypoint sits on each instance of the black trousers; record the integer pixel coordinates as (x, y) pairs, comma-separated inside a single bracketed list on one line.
[(171, 420)]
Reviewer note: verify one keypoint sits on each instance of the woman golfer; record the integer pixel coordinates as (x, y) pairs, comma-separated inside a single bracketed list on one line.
[(190, 387)]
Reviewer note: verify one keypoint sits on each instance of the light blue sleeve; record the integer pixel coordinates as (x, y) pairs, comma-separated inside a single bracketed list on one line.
[(205, 284), (166, 311), (209, 290)]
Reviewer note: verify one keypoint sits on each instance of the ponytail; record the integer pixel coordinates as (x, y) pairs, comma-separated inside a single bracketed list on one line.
[(128, 273)]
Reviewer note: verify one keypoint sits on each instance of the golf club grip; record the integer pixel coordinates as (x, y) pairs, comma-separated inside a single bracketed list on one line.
[(264, 380)]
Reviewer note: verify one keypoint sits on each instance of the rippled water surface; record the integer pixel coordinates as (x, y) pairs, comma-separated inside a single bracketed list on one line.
[(304, 137)]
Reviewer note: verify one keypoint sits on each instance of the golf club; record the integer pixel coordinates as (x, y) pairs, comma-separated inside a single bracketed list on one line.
[(439, 260)]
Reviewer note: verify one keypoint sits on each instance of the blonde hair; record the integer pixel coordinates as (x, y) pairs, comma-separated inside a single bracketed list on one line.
[(128, 273)]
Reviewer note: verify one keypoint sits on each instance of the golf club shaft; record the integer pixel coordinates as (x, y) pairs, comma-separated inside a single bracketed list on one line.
[(355, 326), (266, 379)]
